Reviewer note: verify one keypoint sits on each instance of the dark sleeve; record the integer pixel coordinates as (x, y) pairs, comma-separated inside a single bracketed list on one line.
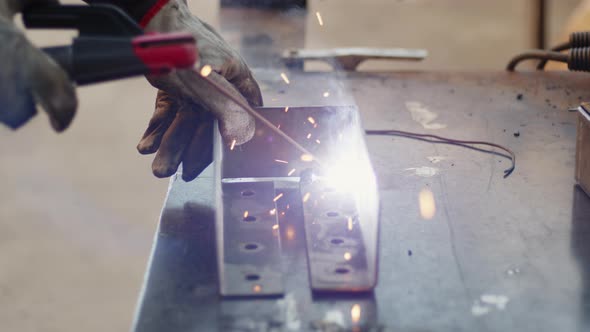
[(135, 8)]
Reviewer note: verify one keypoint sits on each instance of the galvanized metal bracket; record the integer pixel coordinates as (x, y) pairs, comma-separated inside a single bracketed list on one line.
[(335, 248), (339, 197), (251, 245)]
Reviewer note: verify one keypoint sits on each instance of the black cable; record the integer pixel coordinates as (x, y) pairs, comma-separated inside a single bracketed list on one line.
[(443, 140), (559, 48), (579, 59), (536, 54)]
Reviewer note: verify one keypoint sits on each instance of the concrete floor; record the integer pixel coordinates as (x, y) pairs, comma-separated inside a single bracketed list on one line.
[(78, 210)]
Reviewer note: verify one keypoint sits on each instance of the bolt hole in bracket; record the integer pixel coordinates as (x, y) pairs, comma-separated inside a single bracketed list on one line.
[(250, 249), (250, 219), (339, 199), (248, 193)]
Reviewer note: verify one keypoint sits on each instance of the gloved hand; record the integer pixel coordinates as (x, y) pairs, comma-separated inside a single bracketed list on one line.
[(28, 76), (181, 127)]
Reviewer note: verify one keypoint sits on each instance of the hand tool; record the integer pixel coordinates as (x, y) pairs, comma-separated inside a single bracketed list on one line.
[(348, 59), (110, 44)]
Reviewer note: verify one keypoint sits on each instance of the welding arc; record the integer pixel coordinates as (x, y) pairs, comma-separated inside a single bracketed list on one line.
[(439, 139), (244, 105)]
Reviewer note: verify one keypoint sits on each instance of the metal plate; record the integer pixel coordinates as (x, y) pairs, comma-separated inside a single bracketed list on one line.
[(268, 156), (251, 257), (334, 135), (335, 247)]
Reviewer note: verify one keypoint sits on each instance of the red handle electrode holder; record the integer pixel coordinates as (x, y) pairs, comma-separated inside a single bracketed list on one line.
[(110, 44)]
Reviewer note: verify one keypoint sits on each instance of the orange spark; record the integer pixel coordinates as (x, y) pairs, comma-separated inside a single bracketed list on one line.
[(233, 145), (320, 20), (257, 288), (275, 227), (326, 94), (285, 78), (246, 214), (273, 212), (206, 70), (306, 157), (427, 204), (317, 141), (309, 136), (350, 223), (281, 161), (278, 197), (347, 256), (306, 197), (311, 120), (290, 233), (286, 109), (291, 172), (355, 313)]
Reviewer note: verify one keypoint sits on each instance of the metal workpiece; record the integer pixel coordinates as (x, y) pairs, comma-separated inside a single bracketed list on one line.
[(181, 290), (324, 131), (341, 236), (340, 203), (251, 261)]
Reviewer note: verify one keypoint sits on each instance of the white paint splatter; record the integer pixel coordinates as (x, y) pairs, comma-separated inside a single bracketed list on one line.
[(500, 301), (424, 171), (289, 306), (423, 115), (488, 303), (436, 159), (335, 317), (512, 272), (479, 310)]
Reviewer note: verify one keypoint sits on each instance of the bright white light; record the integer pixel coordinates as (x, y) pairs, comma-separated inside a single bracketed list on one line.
[(350, 176), (355, 313), (427, 204), (206, 70), (320, 19)]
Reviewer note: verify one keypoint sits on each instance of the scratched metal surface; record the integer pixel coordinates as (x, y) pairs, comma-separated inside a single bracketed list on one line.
[(497, 255)]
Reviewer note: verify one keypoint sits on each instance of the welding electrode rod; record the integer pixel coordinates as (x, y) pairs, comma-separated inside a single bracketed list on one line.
[(255, 114)]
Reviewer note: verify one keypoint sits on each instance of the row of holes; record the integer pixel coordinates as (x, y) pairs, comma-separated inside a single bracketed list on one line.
[(253, 246), (250, 246), (250, 193)]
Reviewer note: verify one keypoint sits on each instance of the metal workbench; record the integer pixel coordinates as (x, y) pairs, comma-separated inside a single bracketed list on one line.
[(497, 255)]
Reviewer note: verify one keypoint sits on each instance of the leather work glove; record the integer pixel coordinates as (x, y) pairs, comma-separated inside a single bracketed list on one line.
[(29, 77), (182, 125)]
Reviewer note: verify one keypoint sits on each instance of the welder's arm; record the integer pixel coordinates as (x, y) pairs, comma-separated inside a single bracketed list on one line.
[(182, 125), (28, 77)]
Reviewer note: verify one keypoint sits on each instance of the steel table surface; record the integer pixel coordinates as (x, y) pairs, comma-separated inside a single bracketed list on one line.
[(498, 255)]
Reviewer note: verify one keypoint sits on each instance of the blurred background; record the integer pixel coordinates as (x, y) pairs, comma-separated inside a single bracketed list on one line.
[(78, 210)]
